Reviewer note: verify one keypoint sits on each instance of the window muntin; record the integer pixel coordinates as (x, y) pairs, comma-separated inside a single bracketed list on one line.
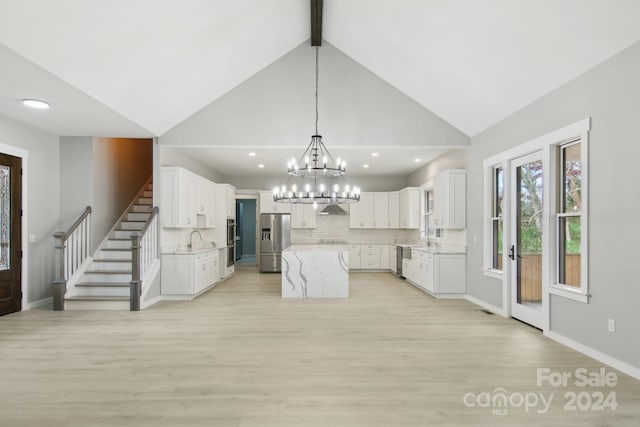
[(569, 216), (497, 209)]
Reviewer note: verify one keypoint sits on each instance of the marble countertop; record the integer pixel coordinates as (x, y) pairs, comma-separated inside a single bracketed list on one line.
[(436, 250), (318, 247), (181, 250)]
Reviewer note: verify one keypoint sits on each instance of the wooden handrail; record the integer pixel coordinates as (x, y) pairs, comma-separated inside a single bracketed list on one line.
[(154, 212), (76, 224)]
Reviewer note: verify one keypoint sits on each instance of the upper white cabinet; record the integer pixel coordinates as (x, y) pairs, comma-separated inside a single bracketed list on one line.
[(303, 216), (267, 205), (449, 199), (381, 210), (186, 199), (386, 210), (410, 207), (231, 200), (394, 209)]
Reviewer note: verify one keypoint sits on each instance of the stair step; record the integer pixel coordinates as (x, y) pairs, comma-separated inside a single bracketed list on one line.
[(104, 284), (147, 193), (141, 208), (131, 225), (119, 233), (97, 303), (138, 216), (114, 254), (108, 272), (117, 249), (144, 201)]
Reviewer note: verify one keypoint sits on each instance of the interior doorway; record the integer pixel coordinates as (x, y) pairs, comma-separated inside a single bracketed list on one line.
[(246, 231), (10, 234)]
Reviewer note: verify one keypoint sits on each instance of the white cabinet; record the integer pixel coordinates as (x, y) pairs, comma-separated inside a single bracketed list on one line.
[(381, 210), (230, 201), (267, 205), (186, 199), (303, 216), (384, 257), (185, 276), (394, 210), (370, 256), (449, 199), (443, 275), (354, 257), (393, 260), (410, 207)]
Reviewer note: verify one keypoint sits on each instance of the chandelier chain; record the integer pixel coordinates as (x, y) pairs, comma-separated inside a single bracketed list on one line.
[(317, 72)]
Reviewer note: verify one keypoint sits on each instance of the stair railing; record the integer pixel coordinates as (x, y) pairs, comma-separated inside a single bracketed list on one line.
[(72, 248), (144, 251)]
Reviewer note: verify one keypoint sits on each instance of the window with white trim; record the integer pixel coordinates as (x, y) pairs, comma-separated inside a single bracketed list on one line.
[(427, 231), (497, 223), (569, 215)]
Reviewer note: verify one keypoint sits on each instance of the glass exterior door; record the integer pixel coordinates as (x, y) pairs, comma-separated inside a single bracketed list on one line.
[(10, 234), (525, 251)]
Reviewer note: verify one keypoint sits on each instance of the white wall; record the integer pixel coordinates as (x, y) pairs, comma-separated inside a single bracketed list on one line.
[(610, 95), (76, 177), (171, 156), (43, 187)]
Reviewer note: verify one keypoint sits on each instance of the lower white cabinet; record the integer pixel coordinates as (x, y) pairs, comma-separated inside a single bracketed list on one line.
[(443, 275), (393, 266), (184, 276), (369, 257)]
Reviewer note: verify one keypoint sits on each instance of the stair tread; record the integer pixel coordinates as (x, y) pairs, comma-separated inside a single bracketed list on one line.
[(119, 238), (105, 284), (134, 220), (116, 249), (108, 271), (96, 298), (110, 260)]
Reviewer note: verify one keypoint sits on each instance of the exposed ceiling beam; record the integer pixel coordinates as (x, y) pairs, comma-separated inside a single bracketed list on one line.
[(316, 22)]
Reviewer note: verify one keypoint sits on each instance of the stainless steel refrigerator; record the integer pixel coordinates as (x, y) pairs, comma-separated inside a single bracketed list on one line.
[(275, 236)]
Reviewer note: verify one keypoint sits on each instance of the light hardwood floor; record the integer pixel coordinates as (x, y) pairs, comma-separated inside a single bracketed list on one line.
[(241, 356)]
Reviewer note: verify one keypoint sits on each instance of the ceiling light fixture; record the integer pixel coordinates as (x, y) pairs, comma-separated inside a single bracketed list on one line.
[(365, 166), (36, 103), (260, 165), (317, 178), (417, 160), (375, 154), (252, 154)]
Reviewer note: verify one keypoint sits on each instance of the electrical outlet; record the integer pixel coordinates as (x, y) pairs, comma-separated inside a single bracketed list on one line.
[(612, 325)]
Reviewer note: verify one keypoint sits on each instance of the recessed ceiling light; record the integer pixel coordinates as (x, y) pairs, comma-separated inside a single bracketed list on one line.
[(260, 165), (417, 160), (252, 154), (375, 154), (365, 166), (36, 103)]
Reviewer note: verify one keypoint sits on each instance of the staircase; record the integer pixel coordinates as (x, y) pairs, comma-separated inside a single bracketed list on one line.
[(105, 284)]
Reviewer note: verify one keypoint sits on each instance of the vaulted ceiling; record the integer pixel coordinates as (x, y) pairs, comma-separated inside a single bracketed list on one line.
[(140, 67)]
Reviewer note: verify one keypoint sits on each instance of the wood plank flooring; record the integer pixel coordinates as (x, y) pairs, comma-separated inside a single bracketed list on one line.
[(241, 356)]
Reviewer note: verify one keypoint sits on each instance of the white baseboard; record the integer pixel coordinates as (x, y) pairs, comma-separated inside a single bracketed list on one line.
[(595, 354), (40, 303), (492, 308)]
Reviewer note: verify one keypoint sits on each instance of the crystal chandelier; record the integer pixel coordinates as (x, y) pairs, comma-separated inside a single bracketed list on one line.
[(316, 177)]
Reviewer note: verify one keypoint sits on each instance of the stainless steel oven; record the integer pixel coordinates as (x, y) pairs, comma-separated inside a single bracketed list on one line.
[(231, 241)]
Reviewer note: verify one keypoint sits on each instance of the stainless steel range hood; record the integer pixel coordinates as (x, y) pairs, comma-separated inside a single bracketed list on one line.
[(332, 210)]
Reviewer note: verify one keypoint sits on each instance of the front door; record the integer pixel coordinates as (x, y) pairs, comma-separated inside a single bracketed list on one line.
[(10, 234), (525, 252)]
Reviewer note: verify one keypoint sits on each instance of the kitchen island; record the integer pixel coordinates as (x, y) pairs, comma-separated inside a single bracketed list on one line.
[(315, 271)]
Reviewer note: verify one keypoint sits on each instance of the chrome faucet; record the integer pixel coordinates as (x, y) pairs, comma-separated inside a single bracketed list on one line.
[(191, 238)]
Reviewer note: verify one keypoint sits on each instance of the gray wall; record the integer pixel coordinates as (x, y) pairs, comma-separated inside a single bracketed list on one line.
[(76, 177), (275, 107), (610, 95), (105, 173), (43, 189), (454, 159), (170, 156)]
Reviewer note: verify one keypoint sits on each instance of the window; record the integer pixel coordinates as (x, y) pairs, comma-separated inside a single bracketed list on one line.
[(497, 223), (569, 215), (426, 213)]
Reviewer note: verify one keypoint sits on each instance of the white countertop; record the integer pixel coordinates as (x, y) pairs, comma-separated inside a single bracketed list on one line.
[(319, 247), (436, 250), (181, 250)]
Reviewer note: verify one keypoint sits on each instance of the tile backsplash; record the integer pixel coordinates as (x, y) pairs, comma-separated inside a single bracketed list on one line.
[(336, 227)]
